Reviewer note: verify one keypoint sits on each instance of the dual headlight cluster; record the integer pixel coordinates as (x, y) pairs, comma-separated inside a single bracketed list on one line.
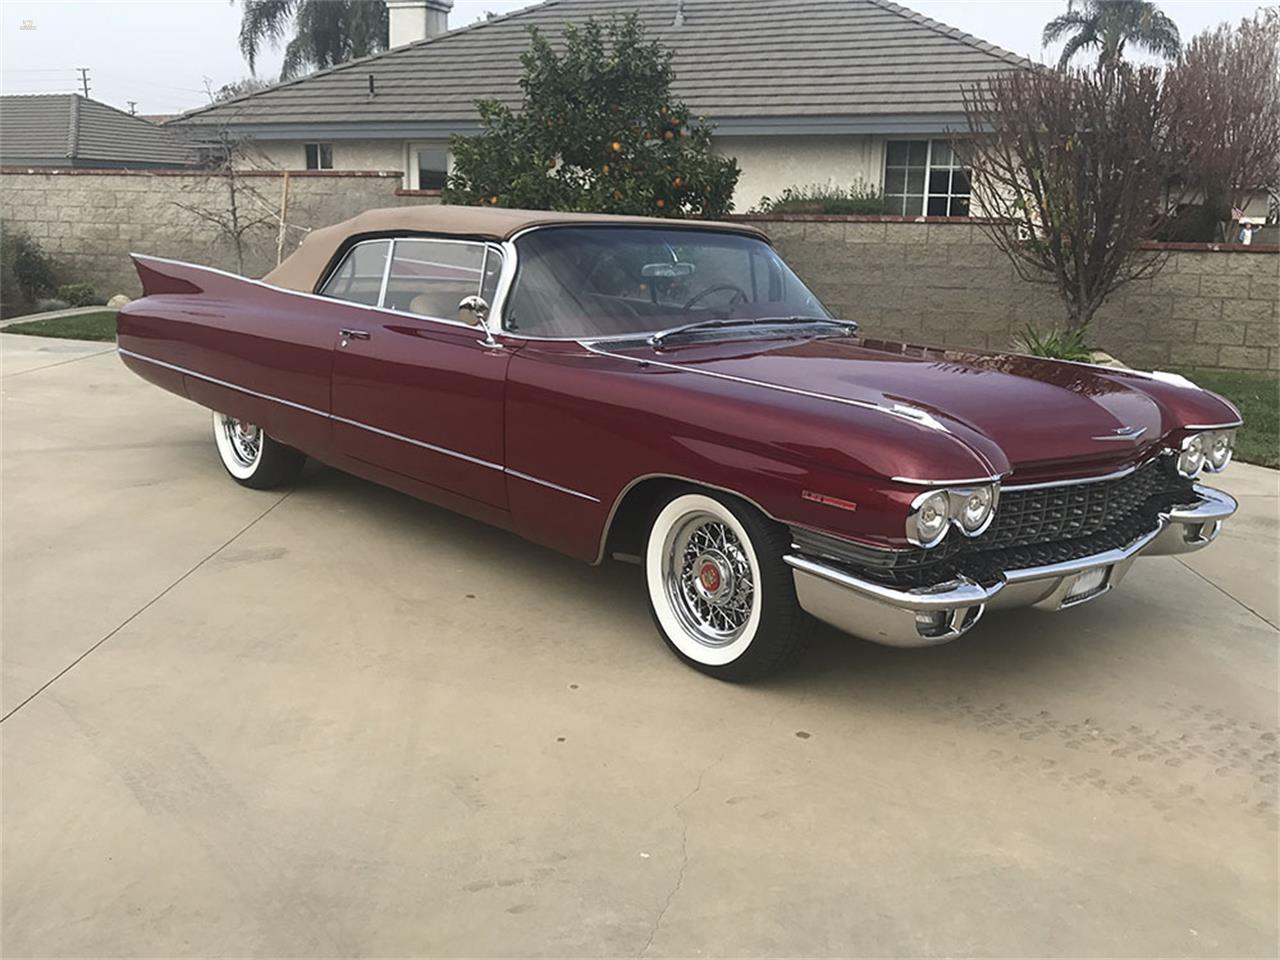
[(1210, 451), (937, 511)]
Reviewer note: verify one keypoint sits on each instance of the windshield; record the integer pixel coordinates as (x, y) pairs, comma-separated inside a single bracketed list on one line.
[(617, 281)]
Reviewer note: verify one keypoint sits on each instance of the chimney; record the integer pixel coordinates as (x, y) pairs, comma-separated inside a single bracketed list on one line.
[(416, 20)]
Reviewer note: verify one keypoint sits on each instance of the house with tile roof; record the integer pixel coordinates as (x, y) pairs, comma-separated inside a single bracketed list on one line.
[(68, 130), (801, 91)]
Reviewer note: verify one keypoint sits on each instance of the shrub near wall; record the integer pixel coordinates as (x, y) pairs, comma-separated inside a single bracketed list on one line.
[(91, 220), (941, 281)]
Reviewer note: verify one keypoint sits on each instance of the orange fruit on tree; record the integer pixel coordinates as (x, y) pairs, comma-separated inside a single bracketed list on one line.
[(678, 182), (493, 201), (668, 135), (661, 203), (605, 168), (616, 146)]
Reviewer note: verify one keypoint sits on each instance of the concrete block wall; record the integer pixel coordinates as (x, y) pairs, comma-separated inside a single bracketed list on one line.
[(942, 281), (926, 280), (91, 220)]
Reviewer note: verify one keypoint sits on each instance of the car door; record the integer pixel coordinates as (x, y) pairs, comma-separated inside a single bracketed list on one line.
[(415, 390)]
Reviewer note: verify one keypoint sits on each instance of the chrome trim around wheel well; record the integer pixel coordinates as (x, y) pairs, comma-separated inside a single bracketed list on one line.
[(673, 478)]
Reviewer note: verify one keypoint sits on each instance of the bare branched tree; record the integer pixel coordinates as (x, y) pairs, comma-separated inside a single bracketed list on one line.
[(1225, 97), (1070, 173), (239, 206)]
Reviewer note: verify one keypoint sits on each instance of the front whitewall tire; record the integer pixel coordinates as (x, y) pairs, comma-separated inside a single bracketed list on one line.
[(720, 594)]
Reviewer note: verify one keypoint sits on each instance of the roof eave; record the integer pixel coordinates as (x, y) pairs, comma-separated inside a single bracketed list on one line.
[(865, 125)]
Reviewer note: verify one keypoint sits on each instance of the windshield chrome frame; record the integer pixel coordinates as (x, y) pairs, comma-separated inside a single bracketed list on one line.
[(496, 321)]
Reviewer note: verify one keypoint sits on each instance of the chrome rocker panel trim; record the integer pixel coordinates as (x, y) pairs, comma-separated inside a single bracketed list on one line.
[(893, 617)]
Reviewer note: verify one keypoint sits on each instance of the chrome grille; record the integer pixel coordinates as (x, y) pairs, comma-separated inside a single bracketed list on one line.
[(1032, 528), (1080, 510)]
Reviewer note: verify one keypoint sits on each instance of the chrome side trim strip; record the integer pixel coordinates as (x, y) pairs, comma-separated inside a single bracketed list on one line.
[(1214, 426), (548, 483), (418, 443), (362, 426), (733, 378), (222, 383), (994, 478)]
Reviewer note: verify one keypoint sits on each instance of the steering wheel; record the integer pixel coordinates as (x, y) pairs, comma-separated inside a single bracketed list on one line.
[(739, 295)]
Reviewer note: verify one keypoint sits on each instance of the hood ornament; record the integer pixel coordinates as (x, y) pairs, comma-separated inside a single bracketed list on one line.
[(1132, 434)]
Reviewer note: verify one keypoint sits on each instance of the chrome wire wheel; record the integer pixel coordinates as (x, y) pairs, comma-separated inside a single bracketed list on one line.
[(708, 579), (244, 440), (242, 446), (703, 576)]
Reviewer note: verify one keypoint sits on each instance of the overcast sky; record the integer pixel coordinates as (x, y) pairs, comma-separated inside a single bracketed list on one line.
[(160, 52)]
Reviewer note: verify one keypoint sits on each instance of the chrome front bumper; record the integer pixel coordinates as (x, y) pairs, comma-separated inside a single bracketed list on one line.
[(925, 616)]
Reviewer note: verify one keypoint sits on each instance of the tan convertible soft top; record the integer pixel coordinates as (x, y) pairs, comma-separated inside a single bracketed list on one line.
[(304, 269)]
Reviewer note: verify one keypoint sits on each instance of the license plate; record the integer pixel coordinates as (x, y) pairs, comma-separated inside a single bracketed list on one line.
[(1087, 584)]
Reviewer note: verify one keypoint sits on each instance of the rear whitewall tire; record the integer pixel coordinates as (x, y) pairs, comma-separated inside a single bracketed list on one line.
[(251, 456), (719, 592)]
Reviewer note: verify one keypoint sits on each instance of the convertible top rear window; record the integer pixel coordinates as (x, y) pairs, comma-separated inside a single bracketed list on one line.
[(618, 281)]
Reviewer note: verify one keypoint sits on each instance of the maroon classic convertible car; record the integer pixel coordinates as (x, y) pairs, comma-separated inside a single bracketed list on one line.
[(670, 392)]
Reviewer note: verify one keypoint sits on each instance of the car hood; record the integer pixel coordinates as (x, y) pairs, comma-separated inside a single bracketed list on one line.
[(1021, 414)]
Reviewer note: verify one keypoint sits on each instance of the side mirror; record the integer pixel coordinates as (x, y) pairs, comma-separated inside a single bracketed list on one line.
[(473, 311)]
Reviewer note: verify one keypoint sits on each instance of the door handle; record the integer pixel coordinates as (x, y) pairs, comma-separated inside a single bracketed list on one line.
[(354, 334)]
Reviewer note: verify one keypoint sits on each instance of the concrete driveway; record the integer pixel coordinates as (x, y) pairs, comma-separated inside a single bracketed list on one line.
[(342, 722)]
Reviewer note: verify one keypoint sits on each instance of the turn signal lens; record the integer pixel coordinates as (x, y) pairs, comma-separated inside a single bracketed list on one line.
[(1217, 449), (975, 509), (1192, 457)]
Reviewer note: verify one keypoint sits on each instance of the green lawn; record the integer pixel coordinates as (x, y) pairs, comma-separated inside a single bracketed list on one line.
[(1258, 397), (99, 325)]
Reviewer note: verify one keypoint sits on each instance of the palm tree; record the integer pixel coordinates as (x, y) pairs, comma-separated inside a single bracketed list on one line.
[(325, 32), (1109, 25)]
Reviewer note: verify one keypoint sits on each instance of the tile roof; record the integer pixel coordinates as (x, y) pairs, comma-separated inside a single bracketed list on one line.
[(66, 129), (733, 59)]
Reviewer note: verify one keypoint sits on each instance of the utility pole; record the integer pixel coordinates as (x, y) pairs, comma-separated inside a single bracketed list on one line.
[(133, 107), (84, 80)]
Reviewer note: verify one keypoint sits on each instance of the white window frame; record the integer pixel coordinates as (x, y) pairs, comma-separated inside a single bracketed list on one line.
[(411, 148), (928, 176), (320, 148)]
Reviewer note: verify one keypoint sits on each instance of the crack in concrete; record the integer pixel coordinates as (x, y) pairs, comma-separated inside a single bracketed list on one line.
[(1225, 593), (684, 853), (59, 363), (145, 607)]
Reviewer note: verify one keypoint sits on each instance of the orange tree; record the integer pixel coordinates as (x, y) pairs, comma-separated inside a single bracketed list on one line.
[(598, 130)]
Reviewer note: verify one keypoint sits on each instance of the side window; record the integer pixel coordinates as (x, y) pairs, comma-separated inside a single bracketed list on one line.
[(319, 156), (430, 277), (359, 276), (905, 165)]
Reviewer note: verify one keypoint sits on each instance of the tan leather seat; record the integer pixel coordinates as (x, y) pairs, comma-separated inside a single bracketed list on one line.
[(423, 305)]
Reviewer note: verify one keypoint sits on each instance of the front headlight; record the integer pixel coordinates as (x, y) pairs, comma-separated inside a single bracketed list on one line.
[(1191, 459), (974, 508), (929, 518), (1217, 448), (933, 513)]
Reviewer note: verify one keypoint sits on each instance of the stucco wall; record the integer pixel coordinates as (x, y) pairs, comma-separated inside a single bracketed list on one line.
[(945, 283), (347, 154), (91, 220), (771, 164)]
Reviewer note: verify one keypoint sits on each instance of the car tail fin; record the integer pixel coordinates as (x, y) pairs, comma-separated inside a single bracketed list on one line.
[(161, 276)]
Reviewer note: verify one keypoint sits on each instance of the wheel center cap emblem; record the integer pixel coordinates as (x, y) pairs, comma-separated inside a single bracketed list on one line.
[(710, 577)]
